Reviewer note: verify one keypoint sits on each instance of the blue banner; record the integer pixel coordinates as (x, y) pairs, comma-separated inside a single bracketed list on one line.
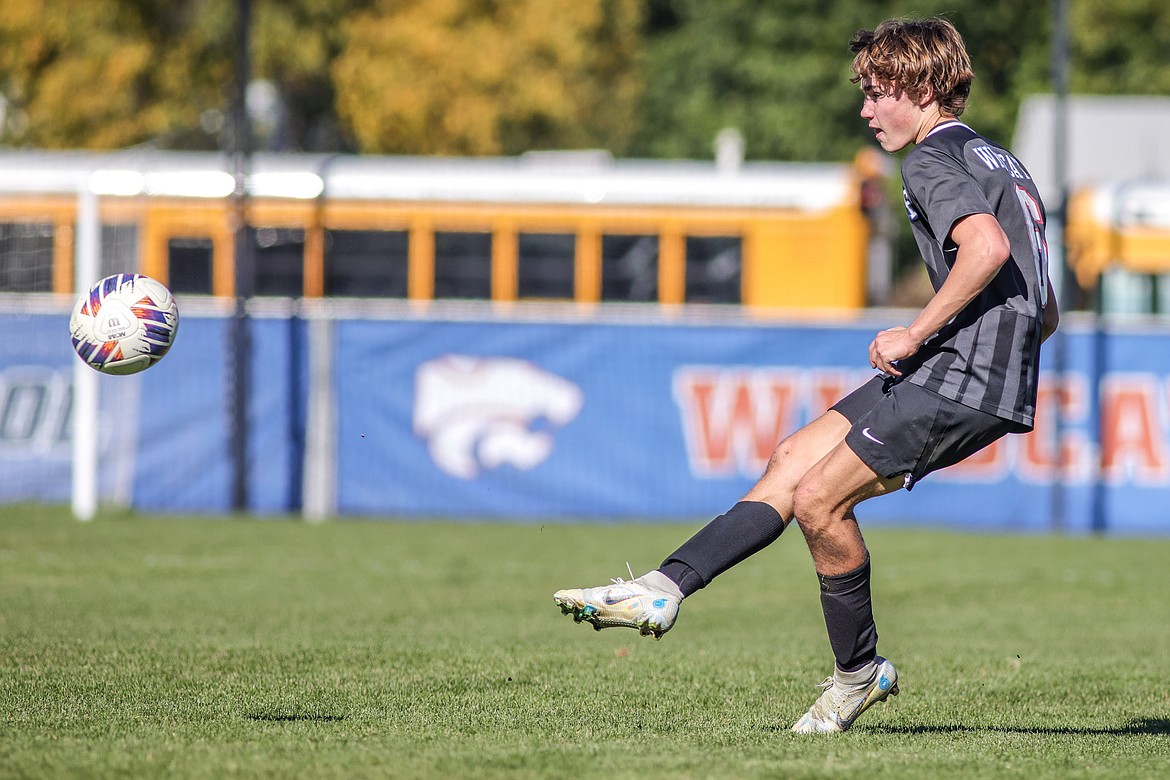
[(164, 434), (184, 438), (570, 420)]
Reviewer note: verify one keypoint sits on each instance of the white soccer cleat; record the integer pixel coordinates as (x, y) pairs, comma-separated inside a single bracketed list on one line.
[(632, 604), (840, 705)]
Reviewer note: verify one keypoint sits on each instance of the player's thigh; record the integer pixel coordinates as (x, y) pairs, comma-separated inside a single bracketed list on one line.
[(837, 483), (798, 453), (794, 456)]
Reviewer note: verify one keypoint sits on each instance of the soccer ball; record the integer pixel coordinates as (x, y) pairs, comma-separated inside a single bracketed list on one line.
[(124, 324)]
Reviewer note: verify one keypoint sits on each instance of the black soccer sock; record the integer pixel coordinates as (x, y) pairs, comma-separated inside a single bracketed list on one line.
[(845, 600), (742, 531), (682, 575)]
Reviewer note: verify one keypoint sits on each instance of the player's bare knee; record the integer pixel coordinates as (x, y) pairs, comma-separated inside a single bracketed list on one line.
[(786, 466), (810, 508)]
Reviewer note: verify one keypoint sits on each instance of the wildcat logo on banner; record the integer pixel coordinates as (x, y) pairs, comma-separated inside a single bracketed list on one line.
[(481, 413)]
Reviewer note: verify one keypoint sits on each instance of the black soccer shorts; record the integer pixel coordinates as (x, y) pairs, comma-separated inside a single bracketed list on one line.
[(901, 428)]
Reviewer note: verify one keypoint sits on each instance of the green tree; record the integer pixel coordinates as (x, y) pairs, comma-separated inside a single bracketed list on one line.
[(778, 70), (774, 70), (1119, 46), (483, 77)]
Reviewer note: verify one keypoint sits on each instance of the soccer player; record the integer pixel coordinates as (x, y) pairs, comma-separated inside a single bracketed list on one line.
[(958, 377)]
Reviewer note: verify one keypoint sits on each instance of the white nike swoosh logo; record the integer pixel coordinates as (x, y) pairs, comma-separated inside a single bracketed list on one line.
[(865, 432)]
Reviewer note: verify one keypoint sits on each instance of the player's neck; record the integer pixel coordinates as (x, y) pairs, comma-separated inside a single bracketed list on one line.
[(938, 122)]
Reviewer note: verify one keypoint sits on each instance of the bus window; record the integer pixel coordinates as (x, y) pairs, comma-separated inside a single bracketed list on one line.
[(279, 255), (26, 257), (463, 265), (629, 268), (189, 262), (366, 263), (714, 269), (546, 265)]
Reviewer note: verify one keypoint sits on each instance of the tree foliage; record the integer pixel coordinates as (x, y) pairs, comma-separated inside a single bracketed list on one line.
[(295, 44), (639, 77), (1121, 47), (779, 71), (113, 73), (106, 73), (487, 77)]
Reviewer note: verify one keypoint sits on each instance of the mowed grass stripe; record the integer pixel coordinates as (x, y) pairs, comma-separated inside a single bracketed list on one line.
[(147, 647)]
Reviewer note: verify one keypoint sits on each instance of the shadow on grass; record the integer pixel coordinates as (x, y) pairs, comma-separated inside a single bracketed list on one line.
[(1134, 727), (293, 717)]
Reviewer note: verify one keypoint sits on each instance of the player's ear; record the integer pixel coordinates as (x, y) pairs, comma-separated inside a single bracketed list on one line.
[(926, 96)]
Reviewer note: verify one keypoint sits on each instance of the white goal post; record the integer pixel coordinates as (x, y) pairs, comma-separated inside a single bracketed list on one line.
[(87, 266)]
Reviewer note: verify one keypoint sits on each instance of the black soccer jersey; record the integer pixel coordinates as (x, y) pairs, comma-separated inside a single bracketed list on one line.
[(987, 357)]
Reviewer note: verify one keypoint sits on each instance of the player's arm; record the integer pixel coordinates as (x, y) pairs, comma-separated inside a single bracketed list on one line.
[(983, 248)]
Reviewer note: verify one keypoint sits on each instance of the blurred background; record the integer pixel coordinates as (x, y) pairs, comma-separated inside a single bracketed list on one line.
[(540, 259)]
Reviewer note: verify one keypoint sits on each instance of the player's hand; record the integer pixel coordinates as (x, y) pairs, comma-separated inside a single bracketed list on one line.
[(890, 346)]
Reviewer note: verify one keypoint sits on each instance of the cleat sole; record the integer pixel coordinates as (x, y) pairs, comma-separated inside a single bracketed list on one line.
[(586, 613)]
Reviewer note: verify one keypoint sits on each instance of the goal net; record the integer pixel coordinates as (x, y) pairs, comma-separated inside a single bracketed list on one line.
[(51, 442)]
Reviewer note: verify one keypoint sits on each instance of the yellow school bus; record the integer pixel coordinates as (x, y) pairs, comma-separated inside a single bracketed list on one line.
[(1118, 241), (563, 227), (1124, 224)]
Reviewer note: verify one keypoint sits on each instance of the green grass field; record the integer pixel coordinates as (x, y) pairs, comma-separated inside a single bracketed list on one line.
[(151, 647)]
